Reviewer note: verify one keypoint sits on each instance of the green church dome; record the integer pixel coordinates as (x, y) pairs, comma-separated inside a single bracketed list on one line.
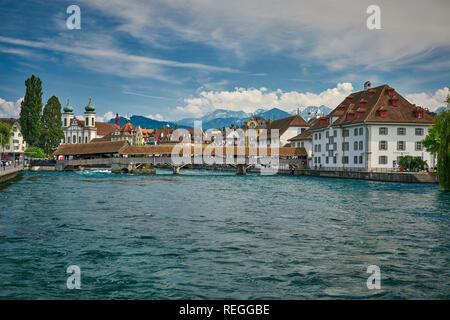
[(90, 107), (68, 107)]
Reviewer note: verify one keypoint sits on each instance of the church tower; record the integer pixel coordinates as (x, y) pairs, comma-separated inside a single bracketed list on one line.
[(90, 131), (67, 117)]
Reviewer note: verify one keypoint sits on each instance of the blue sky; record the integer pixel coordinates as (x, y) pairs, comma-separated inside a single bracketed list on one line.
[(175, 59)]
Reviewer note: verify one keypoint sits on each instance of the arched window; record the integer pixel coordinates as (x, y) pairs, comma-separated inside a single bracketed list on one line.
[(85, 140), (79, 139), (64, 139), (74, 139), (65, 122), (87, 121), (92, 122)]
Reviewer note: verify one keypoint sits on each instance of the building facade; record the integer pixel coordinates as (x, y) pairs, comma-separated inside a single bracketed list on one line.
[(371, 129), (83, 131), (16, 146)]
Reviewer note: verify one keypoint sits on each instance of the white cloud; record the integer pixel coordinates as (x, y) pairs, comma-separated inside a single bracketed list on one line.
[(249, 100), (334, 32), (106, 117), (9, 109), (155, 117), (432, 102)]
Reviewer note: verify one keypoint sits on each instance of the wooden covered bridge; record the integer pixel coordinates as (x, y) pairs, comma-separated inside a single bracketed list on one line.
[(120, 156)]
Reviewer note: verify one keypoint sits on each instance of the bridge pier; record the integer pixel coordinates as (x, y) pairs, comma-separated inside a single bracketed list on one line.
[(176, 169), (241, 169)]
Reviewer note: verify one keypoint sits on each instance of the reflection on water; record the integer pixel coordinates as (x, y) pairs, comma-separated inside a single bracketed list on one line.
[(215, 235)]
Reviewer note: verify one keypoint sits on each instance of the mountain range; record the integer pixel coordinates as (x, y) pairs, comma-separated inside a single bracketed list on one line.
[(220, 118)]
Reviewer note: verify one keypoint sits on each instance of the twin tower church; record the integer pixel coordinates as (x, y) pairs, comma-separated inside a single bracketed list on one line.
[(89, 130)]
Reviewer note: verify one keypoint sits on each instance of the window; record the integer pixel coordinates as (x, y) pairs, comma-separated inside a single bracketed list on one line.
[(315, 136), (345, 146), (401, 131), (419, 131), (87, 121), (419, 146), (360, 159), (64, 140), (7, 147), (382, 160), (360, 131), (355, 159), (334, 160), (401, 145), (355, 132), (302, 144), (65, 122), (345, 159), (79, 139), (355, 145), (68, 139), (345, 133), (383, 131), (74, 139), (327, 146), (399, 158), (93, 122), (327, 134), (361, 145), (383, 145), (326, 160), (320, 135), (320, 148), (335, 133), (85, 140)]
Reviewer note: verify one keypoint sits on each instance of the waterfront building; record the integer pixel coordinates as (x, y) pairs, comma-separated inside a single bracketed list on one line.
[(128, 132), (162, 135), (288, 127), (83, 131), (303, 140), (370, 130), (16, 146)]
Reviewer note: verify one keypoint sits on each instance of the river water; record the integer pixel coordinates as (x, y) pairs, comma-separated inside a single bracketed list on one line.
[(215, 235)]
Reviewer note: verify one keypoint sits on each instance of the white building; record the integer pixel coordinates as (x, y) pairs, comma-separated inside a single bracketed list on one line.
[(303, 140), (16, 146), (371, 129), (288, 127), (83, 131)]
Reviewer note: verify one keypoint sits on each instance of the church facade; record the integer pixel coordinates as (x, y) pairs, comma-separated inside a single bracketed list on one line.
[(83, 131)]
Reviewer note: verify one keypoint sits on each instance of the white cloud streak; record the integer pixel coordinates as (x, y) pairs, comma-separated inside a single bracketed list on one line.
[(9, 109)]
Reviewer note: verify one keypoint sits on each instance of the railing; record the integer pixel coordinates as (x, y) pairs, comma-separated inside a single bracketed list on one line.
[(11, 168)]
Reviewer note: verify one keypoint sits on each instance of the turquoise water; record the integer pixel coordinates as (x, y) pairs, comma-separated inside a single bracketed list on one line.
[(215, 235)]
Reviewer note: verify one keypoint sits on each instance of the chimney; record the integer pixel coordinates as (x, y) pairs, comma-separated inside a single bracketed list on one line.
[(309, 116), (367, 85), (117, 120)]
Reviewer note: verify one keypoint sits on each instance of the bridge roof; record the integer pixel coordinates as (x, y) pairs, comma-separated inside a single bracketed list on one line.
[(166, 150), (107, 147)]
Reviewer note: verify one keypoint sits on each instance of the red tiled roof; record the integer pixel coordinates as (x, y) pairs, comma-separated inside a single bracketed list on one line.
[(305, 135), (103, 128), (285, 123), (374, 100)]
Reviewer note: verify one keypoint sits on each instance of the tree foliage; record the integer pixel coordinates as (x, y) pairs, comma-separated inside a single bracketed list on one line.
[(412, 163), (438, 142), (35, 152), (5, 133), (51, 132), (30, 112)]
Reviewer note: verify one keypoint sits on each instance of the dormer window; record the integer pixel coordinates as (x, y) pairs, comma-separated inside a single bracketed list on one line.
[(348, 99), (394, 102), (390, 92), (349, 115), (371, 93), (419, 113), (360, 112), (362, 103), (383, 112)]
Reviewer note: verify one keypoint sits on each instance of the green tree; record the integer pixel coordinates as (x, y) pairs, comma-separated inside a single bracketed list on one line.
[(51, 132), (35, 152), (30, 112), (412, 163), (5, 133), (438, 141)]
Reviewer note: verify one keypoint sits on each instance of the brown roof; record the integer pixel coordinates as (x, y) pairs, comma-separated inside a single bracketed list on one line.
[(364, 106), (103, 128), (91, 148), (102, 139), (9, 121), (142, 150), (285, 123), (305, 135)]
